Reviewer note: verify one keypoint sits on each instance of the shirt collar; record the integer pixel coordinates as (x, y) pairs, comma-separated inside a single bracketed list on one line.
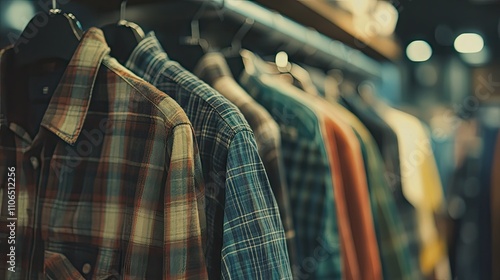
[(148, 60), (70, 102)]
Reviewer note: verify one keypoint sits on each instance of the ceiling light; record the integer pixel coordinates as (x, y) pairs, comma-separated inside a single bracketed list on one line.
[(469, 43), (419, 51)]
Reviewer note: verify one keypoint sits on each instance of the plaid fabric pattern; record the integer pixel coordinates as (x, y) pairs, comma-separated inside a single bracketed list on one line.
[(246, 239), (213, 69), (111, 186), (393, 241), (308, 176)]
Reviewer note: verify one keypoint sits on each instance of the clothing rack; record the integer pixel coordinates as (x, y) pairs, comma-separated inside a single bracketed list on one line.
[(294, 38), (339, 54)]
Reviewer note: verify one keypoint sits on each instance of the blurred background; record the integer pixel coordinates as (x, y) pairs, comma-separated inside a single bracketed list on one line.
[(436, 59)]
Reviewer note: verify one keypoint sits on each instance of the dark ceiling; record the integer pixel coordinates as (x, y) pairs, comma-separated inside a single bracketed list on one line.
[(424, 19), (419, 19)]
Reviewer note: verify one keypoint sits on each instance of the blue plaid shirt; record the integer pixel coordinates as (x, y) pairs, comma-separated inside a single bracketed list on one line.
[(246, 239)]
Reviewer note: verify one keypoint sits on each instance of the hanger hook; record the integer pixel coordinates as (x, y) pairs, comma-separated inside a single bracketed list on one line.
[(242, 32), (195, 37), (238, 37), (54, 9), (123, 10)]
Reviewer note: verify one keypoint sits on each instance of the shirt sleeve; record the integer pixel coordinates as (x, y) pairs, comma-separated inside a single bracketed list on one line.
[(184, 209), (254, 244)]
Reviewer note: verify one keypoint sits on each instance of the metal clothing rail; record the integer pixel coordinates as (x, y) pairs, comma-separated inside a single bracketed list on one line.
[(334, 52)]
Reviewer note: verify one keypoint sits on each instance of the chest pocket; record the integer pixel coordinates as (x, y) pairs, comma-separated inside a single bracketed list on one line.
[(79, 262)]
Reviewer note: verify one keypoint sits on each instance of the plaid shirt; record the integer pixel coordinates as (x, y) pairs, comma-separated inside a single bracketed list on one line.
[(246, 239), (213, 69), (308, 175), (110, 187)]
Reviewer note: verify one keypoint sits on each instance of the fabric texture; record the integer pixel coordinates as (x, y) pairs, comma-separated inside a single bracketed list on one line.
[(360, 254), (393, 241), (350, 265), (245, 236), (355, 194), (308, 175), (352, 154), (466, 201), (421, 185), (464, 218), (214, 70), (111, 186), (495, 211)]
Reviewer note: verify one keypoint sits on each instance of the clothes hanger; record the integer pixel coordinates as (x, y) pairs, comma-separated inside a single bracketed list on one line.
[(194, 39), (292, 73), (191, 47), (232, 53), (58, 38), (123, 37)]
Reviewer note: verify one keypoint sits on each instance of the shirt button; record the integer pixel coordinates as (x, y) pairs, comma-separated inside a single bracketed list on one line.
[(34, 162), (86, 268)]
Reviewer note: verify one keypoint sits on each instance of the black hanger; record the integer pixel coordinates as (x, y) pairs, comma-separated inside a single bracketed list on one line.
[(123, 37), (58, 38)]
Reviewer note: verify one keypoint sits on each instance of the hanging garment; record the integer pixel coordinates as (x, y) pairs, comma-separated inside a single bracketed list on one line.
[(469, 207), (213, 69), (489, 136), (387, 143), (421, 185), (356, 229), (351, 191), (384, 136), (350, 265), (495, 211), (246, 239), (443, 135), (356, 197), (308, 175), (393, 241), (464, 216), (89, 203), (357, 133)]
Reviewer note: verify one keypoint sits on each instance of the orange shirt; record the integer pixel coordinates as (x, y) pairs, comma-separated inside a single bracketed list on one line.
[(348, 249), (355, 195)]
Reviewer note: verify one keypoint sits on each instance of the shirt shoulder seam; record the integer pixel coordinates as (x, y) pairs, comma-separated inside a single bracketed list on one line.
[(126, 80), (234, 130)]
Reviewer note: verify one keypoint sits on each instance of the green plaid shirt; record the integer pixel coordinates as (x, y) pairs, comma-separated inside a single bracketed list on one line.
[(111, 186), (308, 174)]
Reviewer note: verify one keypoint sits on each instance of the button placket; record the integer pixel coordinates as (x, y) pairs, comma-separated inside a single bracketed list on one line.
[(37, 176)]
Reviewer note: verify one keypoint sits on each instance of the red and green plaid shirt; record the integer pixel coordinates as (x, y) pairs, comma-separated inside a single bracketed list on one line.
[(111, 186)]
